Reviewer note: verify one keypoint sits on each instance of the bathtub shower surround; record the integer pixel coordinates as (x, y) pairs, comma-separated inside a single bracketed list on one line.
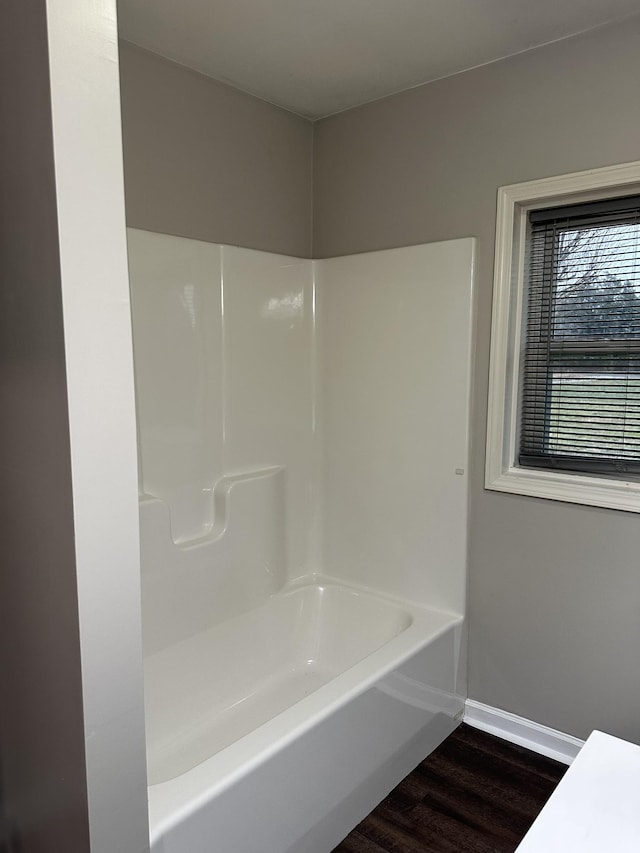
[(303, 433)]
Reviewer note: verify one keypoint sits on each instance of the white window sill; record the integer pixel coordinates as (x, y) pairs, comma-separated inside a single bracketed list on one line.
[(572, 488)]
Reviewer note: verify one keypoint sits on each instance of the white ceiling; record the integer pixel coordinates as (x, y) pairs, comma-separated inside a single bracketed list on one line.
[(317, 57)]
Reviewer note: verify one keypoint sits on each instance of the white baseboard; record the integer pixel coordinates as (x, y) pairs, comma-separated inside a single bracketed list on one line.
[(533, 736)]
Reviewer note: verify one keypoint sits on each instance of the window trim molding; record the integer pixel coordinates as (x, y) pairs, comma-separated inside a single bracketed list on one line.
[(502, 473)]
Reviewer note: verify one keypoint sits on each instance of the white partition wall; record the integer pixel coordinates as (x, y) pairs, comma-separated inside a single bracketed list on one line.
[(89, 195)]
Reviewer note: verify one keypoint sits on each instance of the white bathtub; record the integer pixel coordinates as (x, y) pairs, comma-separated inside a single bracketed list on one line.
[(278, 730)]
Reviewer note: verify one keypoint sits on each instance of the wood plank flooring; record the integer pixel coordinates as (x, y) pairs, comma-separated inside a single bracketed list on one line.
[(474, 794)]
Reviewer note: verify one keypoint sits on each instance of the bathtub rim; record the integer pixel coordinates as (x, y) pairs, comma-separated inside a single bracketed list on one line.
[(315, 628), (174, 800)]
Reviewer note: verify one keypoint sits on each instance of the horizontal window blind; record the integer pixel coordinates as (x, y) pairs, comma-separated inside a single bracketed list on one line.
[(580, 387)]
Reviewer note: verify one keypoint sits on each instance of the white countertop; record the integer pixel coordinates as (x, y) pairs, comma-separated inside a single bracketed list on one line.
[(596, 806)]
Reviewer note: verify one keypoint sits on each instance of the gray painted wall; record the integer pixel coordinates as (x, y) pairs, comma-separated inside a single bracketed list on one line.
[(554, 588), (204, 160), (42, 762)]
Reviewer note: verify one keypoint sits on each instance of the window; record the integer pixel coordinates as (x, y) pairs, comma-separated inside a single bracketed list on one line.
[(564, 402), (580, 390)]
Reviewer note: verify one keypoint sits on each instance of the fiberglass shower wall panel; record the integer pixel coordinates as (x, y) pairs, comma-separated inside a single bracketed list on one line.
[(395, 337), (223, 341), (269, 415), (177, 323)]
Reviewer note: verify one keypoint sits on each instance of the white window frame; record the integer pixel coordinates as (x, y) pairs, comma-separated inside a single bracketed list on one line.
[(502, 472)]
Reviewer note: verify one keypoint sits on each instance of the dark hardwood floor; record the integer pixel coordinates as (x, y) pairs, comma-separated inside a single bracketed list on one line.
[(474, 794)]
